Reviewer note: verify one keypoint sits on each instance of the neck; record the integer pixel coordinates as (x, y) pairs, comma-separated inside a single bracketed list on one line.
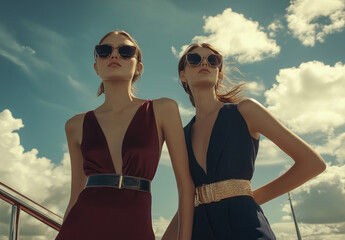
[(117, 95), (206, 102)]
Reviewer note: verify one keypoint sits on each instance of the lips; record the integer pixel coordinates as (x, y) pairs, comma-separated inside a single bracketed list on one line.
[(114, 64), (204, 70)]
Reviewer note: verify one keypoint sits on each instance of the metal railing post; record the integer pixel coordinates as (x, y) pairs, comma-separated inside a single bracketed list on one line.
[(20, 203), (14, 222), (294, 219)]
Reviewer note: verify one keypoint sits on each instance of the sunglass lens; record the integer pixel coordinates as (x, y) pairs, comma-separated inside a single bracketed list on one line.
[(127, 51), (103, 50), (213, 60), (193, 59)]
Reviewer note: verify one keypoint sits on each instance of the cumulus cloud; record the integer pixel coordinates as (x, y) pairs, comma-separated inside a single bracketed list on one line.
[(159, 226), (334, 147), (318, 208), (274, 27), (320, 199), (309, 98), (287, 231), (305, 17), (255, 88), (270, 154), (236, 36), (36, 177), (39, 179)]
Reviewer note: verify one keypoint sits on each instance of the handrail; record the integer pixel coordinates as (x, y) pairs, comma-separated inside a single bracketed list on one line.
[(21, 202)]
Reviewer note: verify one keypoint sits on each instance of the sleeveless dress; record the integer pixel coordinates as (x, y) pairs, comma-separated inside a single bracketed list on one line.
[(230, 155), (111, 213)]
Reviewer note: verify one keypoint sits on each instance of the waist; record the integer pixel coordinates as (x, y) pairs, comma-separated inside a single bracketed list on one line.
[(119, 181), (215, 192)]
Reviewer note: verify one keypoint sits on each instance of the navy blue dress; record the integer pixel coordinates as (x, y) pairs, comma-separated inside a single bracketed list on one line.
[(231, 155)]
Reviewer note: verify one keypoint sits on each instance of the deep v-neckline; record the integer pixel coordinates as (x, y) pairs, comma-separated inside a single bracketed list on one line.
[(209, 142), (124, 137)]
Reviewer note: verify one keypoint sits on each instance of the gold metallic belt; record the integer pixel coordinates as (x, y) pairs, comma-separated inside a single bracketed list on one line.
[(217, 191)]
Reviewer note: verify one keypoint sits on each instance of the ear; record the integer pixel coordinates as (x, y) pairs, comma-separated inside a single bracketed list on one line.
[(183, 77), (220, 75), (95, 67), (140, 67)]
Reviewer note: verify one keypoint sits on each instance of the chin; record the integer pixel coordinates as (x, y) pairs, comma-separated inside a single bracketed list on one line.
[(204, 83), (117, 77)]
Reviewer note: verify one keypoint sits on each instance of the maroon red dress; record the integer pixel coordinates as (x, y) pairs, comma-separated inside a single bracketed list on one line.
[(110, 213)]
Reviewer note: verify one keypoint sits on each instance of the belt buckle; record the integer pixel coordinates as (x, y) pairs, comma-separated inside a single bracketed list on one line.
[(120, 181), (197, 201), (203, 196), (208, 194)]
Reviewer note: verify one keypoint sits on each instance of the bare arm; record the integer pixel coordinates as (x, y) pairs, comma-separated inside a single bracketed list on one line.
[(78, 178), (308, 163), (171, 231), (174, 136)]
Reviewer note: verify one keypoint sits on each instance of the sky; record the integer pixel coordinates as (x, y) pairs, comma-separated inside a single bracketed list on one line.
[(291, 54)]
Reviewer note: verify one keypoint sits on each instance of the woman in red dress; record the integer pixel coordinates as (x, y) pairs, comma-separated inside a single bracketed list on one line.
[(115, 150)]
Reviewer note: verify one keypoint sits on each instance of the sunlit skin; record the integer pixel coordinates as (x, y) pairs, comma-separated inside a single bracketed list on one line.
[(307, 163), (114, 116)]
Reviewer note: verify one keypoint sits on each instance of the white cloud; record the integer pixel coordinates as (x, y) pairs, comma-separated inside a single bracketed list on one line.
[(305, 17), (29, 49), (73, 82), (19, 54), (36, 177), (165, 158), (320, 200), (255, 88), (270, 154), (16, 60), (159, 226), (173, 49), (334, 147), (41, 180), (309, 98), (287, 231), (186, 113), (274, 27), (236, 36), (53, 58)]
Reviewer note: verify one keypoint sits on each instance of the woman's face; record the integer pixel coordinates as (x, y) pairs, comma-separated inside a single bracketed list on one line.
[(114, 67), (202, 76)]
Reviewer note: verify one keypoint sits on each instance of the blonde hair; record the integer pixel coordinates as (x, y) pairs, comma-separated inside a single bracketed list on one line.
[(234, 94)]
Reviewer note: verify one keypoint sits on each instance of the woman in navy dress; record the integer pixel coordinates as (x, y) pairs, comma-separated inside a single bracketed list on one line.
[(115, 150), (222, 141)]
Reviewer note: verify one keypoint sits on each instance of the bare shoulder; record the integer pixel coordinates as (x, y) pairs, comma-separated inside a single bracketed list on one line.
[(249, 106), (74, 124), (165, 102), (166, 112), (254, 114), (252, 111), (165, 106)]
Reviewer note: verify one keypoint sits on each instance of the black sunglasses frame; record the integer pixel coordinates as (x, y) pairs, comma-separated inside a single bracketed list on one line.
[(218, 56), (96, 54)]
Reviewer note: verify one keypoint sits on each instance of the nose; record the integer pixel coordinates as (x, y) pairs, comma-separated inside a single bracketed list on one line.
[(203, 61), (115, 54)]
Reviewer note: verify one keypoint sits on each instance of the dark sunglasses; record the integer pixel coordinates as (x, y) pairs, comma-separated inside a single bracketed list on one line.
[(213, 60), (105, 50)]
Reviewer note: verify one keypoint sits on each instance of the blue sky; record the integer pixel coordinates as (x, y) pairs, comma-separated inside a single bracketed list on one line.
[(291, 54)]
